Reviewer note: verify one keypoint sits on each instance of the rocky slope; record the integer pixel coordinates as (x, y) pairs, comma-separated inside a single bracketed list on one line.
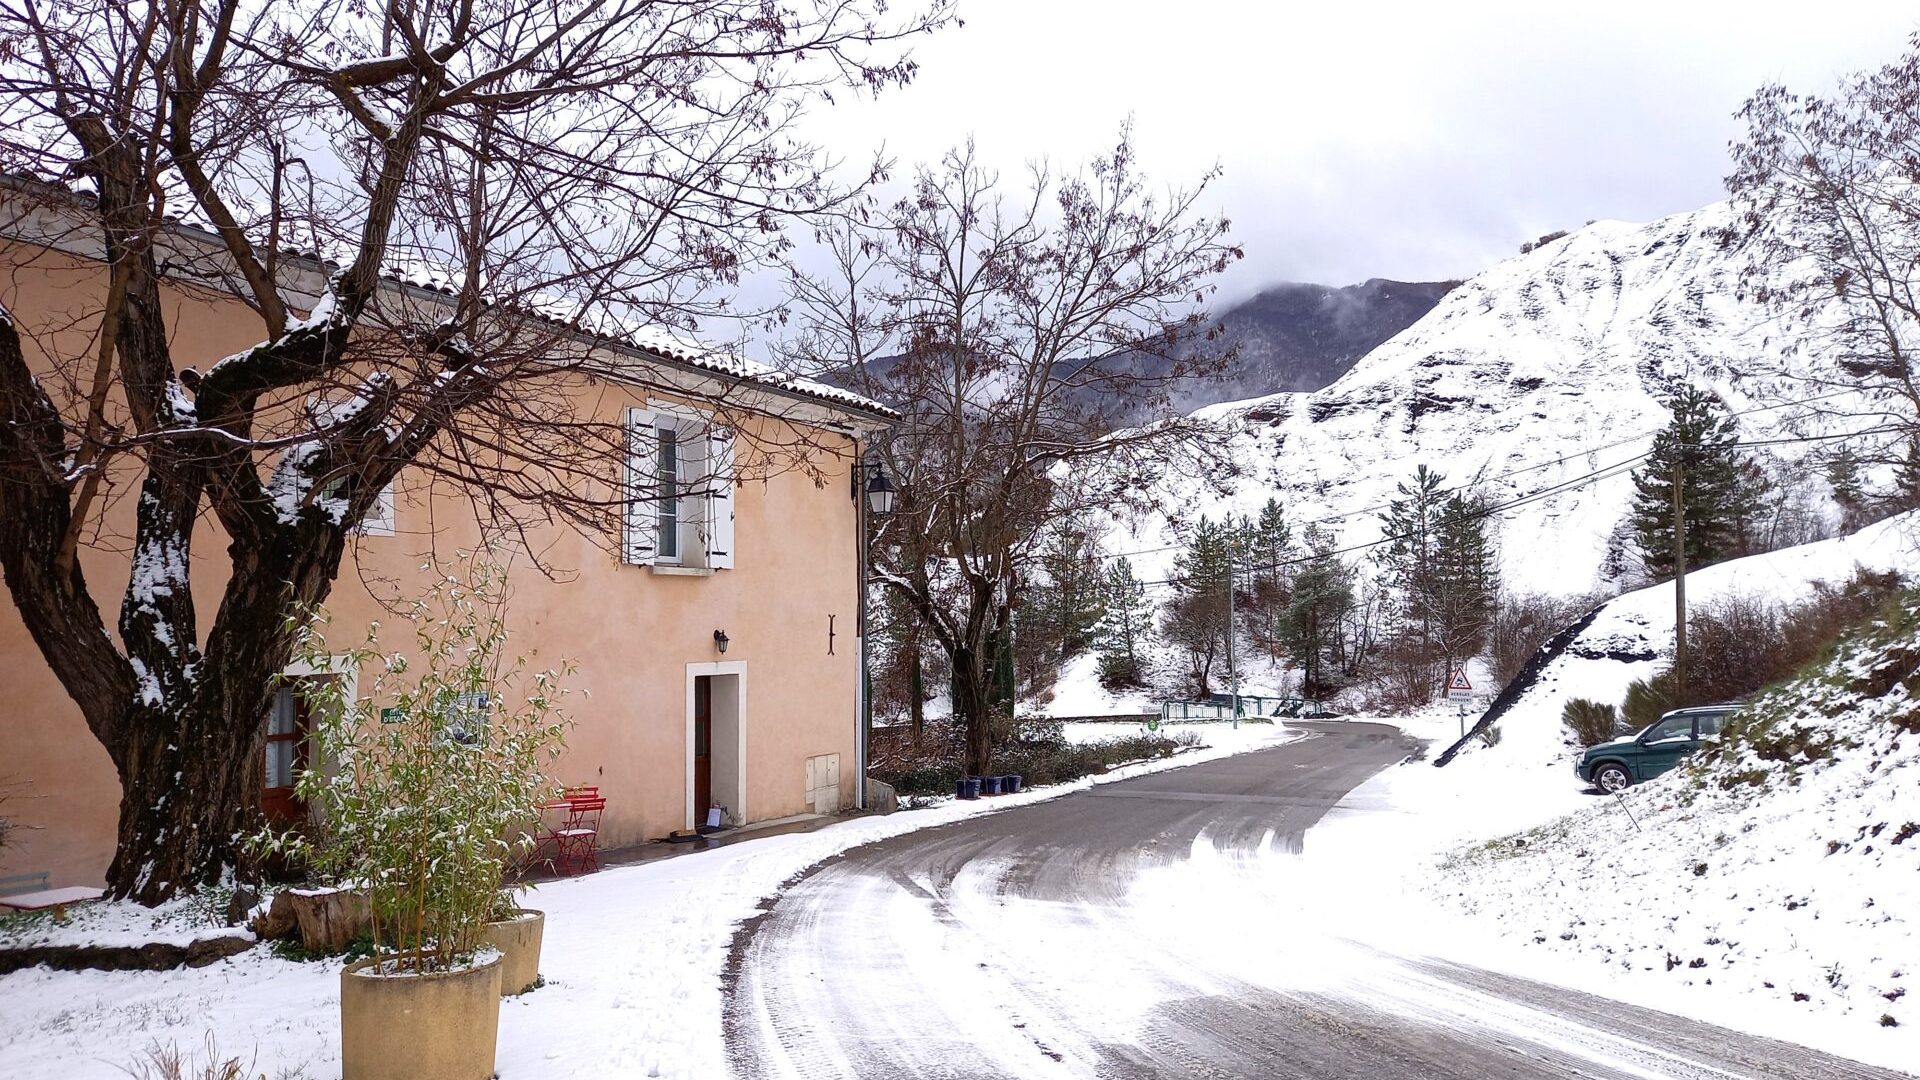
[(1534, 375), (1297, 337)]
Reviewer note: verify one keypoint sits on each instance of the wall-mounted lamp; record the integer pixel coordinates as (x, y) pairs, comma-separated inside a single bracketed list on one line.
[(720, 641), (880, 490)]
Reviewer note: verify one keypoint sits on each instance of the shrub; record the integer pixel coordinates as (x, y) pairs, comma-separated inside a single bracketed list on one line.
[(166, 1061), (1036, 749), (434, 784), (1524, 623), (1648, 699), (1118, 671), (1735, 648), (1590, 721), (1739, 645)]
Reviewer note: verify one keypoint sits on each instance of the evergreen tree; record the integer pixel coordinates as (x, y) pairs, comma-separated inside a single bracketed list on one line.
[(1439, 566), (1196, 620), (1843, 478), (1412, 527), (1310, 624), (1906, 479), (1465, 579), (1718, 490), (1271, 551), (1064, 608), (1123, 626)]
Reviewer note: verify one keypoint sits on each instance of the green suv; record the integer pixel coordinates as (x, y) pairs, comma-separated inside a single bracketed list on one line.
[(1623, 762)]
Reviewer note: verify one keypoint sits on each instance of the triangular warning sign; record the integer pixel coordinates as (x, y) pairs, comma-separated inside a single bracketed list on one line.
[(1459, 680)]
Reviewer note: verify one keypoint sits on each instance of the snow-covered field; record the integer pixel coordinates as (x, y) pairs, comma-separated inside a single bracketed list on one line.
[(632, 957)]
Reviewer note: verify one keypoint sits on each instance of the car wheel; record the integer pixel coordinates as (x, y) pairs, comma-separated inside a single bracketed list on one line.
[(1612, 777)]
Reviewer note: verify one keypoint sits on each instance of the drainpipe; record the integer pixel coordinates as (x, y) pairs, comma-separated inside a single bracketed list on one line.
[(864, 719)]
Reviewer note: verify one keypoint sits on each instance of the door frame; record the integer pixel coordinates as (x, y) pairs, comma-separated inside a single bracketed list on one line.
[(339, 667), (722, 667)]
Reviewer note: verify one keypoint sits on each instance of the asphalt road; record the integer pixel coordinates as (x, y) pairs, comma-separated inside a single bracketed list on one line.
[(1110, 933)]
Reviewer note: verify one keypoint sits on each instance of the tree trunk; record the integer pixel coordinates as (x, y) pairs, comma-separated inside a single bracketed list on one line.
[(190, 790), (191, 753), (972, 704), (916, 688)]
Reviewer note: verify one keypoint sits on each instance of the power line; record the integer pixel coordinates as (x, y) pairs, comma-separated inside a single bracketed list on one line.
[(1604, 473), (1587, 452)]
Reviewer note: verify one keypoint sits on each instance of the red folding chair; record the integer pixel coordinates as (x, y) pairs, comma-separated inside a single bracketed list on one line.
[(578, 840)]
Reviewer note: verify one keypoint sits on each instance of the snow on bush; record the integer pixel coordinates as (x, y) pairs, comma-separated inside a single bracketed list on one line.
[(1785, 864)]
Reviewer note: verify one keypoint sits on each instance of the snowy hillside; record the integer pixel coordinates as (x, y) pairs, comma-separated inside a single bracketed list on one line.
[(1537, 373), (1786, 872), (1631, 636)]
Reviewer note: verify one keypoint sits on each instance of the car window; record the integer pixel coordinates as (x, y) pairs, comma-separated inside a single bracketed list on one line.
[(1711, 723), (1672, 727)]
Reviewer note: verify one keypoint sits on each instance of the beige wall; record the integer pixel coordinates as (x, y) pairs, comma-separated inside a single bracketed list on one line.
[(631, 632)]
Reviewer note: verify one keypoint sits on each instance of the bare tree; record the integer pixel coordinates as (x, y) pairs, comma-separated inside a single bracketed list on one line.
[(447, 214), (1010, 329), (1827, 190)]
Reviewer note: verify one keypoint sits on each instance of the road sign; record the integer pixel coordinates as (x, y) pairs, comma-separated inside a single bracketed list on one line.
[(1458, 686)]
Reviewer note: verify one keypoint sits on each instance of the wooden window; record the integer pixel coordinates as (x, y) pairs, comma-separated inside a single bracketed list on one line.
[(288, 725)]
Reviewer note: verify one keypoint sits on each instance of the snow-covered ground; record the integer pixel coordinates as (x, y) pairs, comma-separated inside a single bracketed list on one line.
[(632, 957), (1802, 889)]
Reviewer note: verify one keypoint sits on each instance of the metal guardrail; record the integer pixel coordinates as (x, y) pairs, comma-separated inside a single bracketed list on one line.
[(1220, 708)]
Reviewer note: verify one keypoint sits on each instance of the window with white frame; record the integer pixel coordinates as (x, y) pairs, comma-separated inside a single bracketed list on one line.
[(679, 490), (380, 516)]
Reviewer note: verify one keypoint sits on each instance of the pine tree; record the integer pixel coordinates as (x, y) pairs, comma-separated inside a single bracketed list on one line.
[(1064, 608), (1439, 565), (1270, 555), (1123, 626), (1310, 625), (1466, 579), (1843, 478), (1409, 564), (1412, 528), (1197, 618), (1906, 479), (1717, 487)]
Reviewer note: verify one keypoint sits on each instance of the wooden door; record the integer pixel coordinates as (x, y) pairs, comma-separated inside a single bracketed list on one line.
[(702, 748), (288, 722)]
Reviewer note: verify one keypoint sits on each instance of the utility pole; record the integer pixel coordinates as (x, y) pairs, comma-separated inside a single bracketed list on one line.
[(1233, 669), (1679, 583)]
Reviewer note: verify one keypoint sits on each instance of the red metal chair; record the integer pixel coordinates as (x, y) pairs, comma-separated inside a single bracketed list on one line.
[(577, 842)]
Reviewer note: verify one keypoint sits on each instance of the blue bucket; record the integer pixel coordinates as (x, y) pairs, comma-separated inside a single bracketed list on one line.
[(992, 785), (973, 787), (962, 789), (1011, 783)]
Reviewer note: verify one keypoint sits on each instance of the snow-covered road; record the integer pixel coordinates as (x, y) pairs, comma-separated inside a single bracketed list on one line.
[(1163, 927)]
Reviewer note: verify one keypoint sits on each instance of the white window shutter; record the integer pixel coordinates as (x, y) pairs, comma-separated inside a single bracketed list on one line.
[(720, 498), (380, 520), (638, 521)]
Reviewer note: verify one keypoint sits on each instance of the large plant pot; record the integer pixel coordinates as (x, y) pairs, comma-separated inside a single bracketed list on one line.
[(518, 940), (419, 1027)]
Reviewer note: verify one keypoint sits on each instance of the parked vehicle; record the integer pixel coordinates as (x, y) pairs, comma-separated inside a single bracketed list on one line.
[(1612, 766)]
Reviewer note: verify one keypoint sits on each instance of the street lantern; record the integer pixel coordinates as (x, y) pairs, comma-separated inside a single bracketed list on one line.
[(720, 641), (880, 491)]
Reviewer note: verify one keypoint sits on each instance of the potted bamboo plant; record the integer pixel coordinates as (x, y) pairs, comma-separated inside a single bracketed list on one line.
[(426, 783), (515, 932)]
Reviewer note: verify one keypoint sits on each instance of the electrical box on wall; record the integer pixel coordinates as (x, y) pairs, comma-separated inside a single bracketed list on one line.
[(823, 784)]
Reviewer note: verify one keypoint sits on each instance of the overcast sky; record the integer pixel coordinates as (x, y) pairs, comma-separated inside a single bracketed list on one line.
[(1412, 141)]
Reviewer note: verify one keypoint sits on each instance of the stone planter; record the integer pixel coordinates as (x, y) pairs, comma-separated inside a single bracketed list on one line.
[(518, 940), (419, 1027)]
